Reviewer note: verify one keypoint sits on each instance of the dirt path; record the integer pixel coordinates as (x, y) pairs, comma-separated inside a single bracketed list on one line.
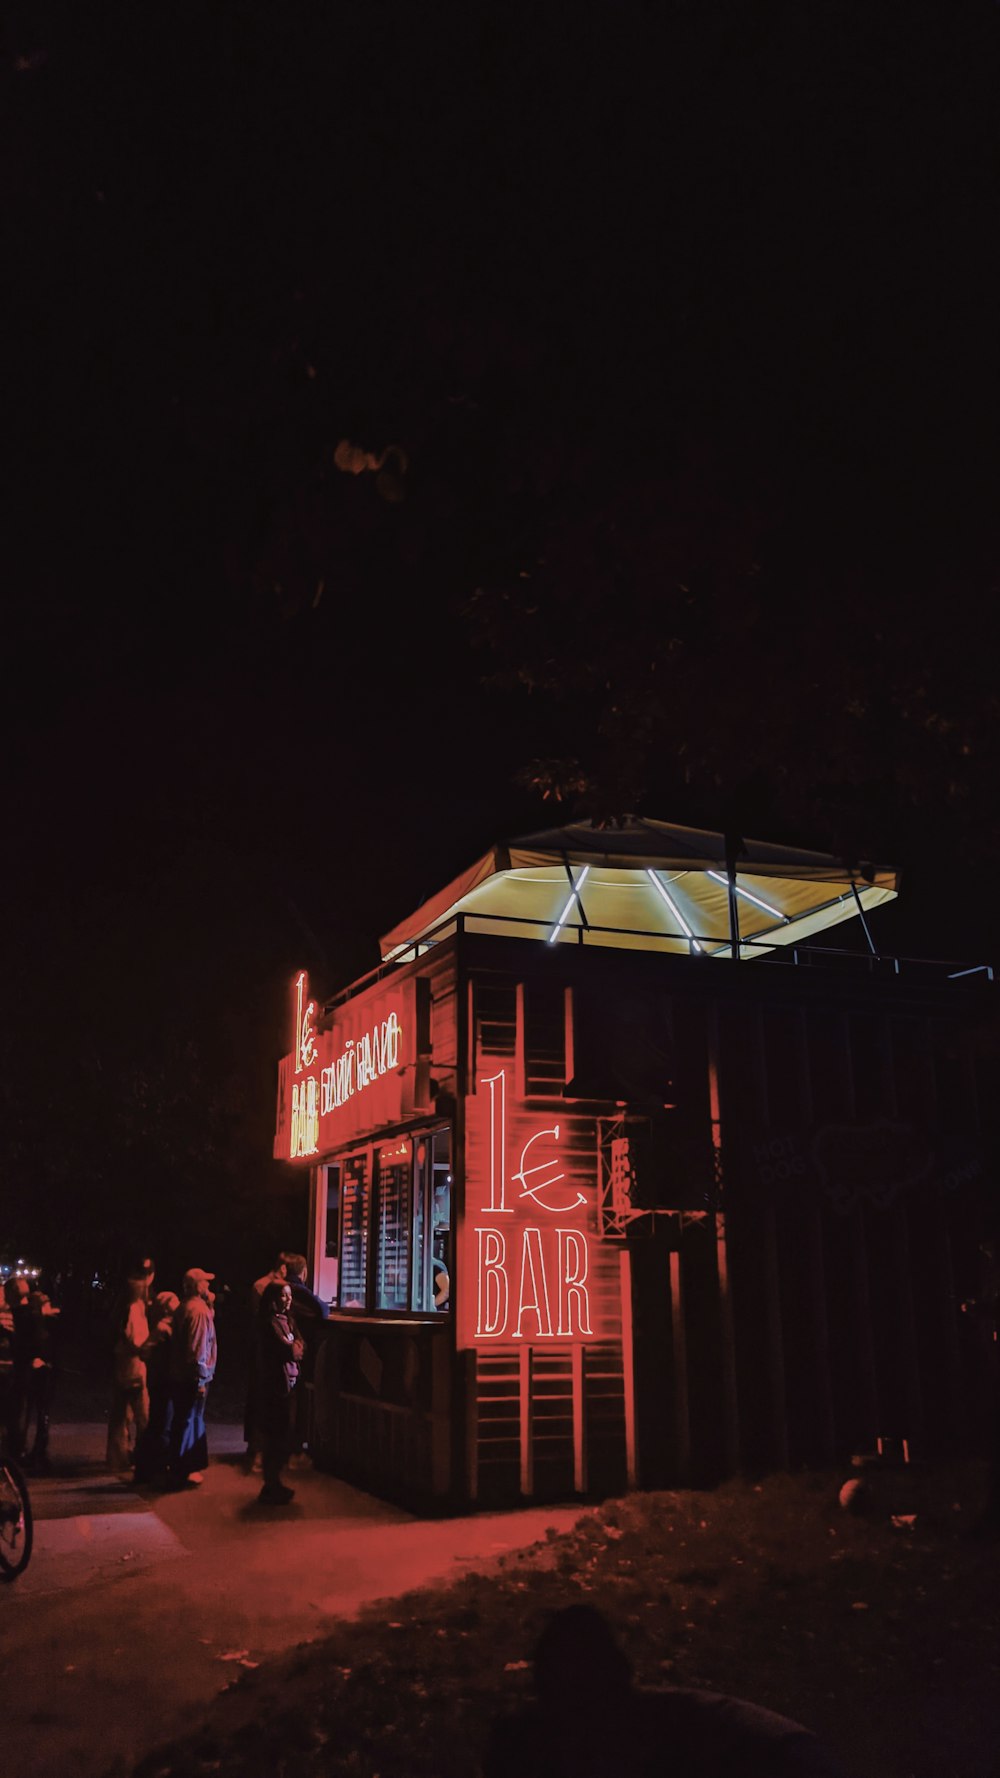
[(137, 1610)]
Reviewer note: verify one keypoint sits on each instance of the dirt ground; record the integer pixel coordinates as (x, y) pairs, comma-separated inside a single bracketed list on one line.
[(137, 1608), (879, 1630), (200, 1634)]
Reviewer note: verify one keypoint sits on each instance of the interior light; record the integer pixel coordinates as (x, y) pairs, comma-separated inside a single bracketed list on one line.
[(672, 905), (746, 894), (573, 896)]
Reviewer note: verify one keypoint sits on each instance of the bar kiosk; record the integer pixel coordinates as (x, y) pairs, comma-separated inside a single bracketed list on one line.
[(595, 1208)]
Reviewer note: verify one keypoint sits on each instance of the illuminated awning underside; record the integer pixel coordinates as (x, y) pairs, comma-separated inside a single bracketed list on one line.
[(646, 886)]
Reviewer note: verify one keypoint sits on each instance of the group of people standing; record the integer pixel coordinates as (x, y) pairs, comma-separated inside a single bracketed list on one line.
[(165, 1352), (164, 1356)]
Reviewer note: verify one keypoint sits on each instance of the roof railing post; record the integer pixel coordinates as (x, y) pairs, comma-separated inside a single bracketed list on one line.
[(864, 922), (734, 912)]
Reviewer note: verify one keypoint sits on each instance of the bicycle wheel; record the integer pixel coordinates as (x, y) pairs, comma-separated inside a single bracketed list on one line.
[(16, 1530)]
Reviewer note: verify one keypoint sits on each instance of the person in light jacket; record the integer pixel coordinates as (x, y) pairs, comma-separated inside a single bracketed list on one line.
[(193, 1353), (129, 1413)]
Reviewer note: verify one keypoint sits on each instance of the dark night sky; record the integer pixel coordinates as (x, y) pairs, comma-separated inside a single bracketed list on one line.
[(555, 255)]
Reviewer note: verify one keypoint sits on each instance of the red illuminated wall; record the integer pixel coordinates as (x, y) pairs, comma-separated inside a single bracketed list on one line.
[(531, 1268)]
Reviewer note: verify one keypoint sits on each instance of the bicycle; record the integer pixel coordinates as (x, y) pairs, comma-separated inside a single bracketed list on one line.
[(16, 1523)]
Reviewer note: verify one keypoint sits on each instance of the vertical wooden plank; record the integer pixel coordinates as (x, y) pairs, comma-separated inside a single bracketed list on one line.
[(579, 1420), (775, 1340), (628, 1367), (957, 1394), (913, 1393), (682, 1408), (730, 1403), (317, 1207), (465, 1043), (730, 1397), (519, 1056), (912, 1382), (868, 1389), (826, 1425), (815, 1260), (440, 1417), (524, 1396), (569, 1042), (465, 1437), (471, 1427)]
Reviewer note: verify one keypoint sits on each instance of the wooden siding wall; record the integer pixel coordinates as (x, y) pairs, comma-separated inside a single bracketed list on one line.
[(851, 1177), (805, 1302), (383, 1409), (440, 967), (546, 1422)]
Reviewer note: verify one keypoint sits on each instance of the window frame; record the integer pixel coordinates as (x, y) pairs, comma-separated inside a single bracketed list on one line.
[(370, 1152)]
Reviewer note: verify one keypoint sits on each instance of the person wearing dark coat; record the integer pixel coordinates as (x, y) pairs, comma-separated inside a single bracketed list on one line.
[(19, 1346), (277, 1357), (310, 1313), (251, 1431), (41, 1373)]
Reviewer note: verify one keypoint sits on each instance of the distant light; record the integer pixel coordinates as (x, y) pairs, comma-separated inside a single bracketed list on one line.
[(747, 896), (672, 905), (574, 896)]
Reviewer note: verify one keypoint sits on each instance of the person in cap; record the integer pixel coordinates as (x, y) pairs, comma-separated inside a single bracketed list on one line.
[(193, 1353)]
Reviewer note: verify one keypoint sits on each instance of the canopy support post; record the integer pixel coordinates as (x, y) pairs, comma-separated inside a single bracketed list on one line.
[(734, 849), (864, 922), (575, 891), (734, 911)]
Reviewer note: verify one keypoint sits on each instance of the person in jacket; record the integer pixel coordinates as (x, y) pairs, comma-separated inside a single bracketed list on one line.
[(251, 1431), (193, 1353), (152, 1448), (277, 1357), (310, 1313), (17, 1361), (41, 1375), (129, 1412)]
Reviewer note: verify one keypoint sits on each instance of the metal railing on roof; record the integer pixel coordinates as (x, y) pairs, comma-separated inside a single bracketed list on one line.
[(698, 946)]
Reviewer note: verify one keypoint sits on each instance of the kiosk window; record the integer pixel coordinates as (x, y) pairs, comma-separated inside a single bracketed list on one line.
[(395, 1180), (431, 1279), (353, 1292), (331, 1240)]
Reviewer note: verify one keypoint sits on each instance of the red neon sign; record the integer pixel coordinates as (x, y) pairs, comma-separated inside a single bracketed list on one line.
[(304, 1133), (356, 1076), (530, 1226)]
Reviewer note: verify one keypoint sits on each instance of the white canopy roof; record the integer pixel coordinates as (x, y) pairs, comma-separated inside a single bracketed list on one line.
[(646, 885)]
